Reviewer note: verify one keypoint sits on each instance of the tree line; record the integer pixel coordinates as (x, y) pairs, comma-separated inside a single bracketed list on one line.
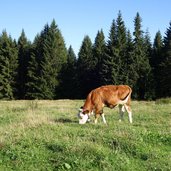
[(46, 69)]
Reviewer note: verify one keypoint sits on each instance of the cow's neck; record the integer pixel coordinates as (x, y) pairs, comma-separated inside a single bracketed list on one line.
[(88, 104)]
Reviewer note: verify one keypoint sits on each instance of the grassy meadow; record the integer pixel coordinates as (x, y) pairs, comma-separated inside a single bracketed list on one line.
[(45, 135)]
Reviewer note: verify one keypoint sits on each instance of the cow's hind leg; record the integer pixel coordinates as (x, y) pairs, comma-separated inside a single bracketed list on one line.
[(121, 112), (96, 118), (104, 120), (128, 109)]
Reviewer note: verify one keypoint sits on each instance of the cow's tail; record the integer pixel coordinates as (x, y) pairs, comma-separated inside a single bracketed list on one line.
[(129, 93), (128, 96)]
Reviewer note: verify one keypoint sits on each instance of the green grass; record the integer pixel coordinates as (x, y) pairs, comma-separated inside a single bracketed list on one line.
[(45, 135)]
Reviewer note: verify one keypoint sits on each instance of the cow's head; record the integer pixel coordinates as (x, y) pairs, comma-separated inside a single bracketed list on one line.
[(83, 115)]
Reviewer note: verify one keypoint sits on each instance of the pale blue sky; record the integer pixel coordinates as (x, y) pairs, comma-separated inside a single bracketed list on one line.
[(77, 18)]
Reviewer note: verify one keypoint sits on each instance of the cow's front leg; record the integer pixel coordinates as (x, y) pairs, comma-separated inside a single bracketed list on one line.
[(96, 118)]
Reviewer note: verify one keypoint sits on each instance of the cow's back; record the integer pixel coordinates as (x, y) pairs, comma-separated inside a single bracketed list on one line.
[(110, 94)]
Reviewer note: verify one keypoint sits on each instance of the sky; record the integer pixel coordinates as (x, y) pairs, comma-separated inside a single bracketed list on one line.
[(78, 18)]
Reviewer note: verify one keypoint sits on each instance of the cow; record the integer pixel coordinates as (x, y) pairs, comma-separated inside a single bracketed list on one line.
[(110, 96)]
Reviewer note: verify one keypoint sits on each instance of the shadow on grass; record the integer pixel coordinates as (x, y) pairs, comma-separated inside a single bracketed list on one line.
[(65, 120)]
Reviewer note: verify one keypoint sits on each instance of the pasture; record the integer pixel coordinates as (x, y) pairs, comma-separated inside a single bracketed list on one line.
[(45, 135)]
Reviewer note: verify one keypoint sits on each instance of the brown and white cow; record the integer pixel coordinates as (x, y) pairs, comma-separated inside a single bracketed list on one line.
[(110, 96)]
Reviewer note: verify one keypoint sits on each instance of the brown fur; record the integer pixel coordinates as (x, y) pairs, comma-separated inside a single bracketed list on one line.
[(109, 95)]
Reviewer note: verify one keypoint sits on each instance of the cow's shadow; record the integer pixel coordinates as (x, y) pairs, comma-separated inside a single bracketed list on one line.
[(65, 120)]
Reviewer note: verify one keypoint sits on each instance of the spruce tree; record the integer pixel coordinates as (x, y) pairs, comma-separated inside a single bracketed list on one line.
[(156, 62), (23, 57), (141, 59), (157, 50), (33, 90), (68, 77), (98, 55), (8, 66), (149, 80), (165, 76), (121, 45), (54, 57), (33, 81), (109, 68), (130, 65), (115, 58), (85, 64), (50, 55)]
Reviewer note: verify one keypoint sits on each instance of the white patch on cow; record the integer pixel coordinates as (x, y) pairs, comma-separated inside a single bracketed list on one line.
[(83, 118)]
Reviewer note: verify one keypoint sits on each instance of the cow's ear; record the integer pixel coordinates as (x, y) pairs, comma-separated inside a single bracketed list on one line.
[(86, 111), (80, 109)]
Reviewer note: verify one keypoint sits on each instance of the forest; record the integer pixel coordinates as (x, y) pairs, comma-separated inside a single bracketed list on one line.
[(46, 69)]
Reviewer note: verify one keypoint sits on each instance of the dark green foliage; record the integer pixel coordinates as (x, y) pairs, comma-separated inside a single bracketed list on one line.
[(157, 50), (115, 59), (130, 65), (24, 49), (85, 65), (50, 54), (45, 70), (121, 47), (32, 84), (156, 62), (68, 77), (52, 62), (8, 66), (149, 80), (109, 67), (34, 70), (98, 55), (141, 60), (165, 76)]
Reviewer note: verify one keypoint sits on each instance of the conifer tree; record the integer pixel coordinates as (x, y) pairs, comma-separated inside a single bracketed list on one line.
[(33, 90), (8, 66), (114, 62), (68, 77), (33, 81), (121, 45), (23, 57), (130, 65), (155, 62), (109, 68), (157, 50), (85, 64), (98, 55), (149, 80), (50, 54), (165, 75), (54, 56), (141, 60)]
